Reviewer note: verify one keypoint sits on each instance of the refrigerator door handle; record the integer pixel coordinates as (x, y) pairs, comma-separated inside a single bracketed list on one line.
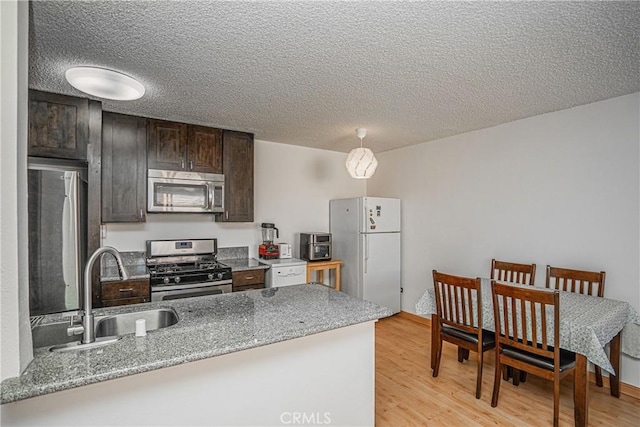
[(366, 252), (72, 235)]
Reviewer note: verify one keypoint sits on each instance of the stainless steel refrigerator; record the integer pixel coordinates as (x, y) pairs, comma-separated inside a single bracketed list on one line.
[(365, 234), (57, 218)]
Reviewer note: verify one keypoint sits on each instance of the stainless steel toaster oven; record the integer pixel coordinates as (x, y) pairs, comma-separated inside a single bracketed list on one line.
[(315, 246)]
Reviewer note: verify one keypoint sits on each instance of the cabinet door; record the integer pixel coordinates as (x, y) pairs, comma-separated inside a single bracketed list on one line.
[(167, 146), (58, 126), (204, 149), (247, 280), (237, 162), (124, 168)]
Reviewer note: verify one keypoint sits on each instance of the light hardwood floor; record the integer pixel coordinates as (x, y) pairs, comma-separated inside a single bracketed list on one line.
[(408, 395)]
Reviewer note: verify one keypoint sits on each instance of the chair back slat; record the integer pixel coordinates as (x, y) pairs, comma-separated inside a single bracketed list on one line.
[(458, 301), (577, 281), (521, 318), (513, 272)]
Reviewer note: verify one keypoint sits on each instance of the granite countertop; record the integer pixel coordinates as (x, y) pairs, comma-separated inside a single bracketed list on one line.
[(236, 257), (243, 264), (209, 326)]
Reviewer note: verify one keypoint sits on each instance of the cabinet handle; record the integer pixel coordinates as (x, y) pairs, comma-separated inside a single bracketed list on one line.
[(141, 214), (182, 164), (126, 290), (248, 277), (190, 164), (226, 215)]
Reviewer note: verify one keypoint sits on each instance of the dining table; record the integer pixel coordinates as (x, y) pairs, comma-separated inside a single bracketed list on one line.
[(587, 324)]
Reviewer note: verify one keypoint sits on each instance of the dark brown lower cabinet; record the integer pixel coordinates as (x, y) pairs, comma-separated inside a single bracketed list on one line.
[(124, 168), (133, 291), (248, 279)]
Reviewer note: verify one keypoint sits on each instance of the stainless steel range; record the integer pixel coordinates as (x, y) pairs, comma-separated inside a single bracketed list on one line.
[(186, 268)]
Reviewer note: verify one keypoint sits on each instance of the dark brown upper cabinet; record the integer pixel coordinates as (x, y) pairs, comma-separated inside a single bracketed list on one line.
[(178, 146), (124, 168), (204, 149), (58, 126), (237, 158)]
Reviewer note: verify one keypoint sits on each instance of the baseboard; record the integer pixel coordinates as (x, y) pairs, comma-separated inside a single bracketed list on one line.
[(626, 389), (416, 318)]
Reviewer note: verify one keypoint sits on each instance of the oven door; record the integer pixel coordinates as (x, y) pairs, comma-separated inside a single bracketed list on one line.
[(171, 191), (320, 251), (164, 293)]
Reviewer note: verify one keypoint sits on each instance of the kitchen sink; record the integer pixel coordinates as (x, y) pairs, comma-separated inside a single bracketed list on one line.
[(55, 334), (122, 324)]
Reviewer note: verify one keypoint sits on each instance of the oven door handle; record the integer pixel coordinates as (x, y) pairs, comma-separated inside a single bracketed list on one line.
[(189, 286), (187, 293)]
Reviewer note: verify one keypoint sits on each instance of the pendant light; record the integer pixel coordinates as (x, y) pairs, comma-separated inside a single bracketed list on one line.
[(361, 163)]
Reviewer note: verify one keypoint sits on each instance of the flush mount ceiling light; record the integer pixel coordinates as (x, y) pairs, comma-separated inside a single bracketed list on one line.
[(361, 163), (104, 83)]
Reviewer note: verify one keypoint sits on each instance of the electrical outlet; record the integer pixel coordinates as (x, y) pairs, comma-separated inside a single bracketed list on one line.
[(401, 290)]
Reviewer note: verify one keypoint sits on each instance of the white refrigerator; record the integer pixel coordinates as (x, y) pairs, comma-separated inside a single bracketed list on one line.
[(365, 235)]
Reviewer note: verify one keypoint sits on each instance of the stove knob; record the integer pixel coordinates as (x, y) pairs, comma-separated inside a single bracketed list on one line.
[(177, 279), (210, 276), (166, 280), (220, 276)]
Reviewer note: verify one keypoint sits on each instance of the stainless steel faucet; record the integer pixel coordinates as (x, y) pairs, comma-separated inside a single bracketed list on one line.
[(88, 333)]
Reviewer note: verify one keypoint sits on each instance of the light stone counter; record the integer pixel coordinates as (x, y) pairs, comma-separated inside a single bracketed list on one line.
[(209, 326), (243, 264)]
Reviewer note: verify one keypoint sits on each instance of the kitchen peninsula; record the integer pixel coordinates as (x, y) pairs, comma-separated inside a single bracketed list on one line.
[(255, 357)]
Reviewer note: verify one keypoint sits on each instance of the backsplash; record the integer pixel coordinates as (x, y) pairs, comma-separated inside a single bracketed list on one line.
[(137, 258), (108, 266), (128, 258), (238, 252)]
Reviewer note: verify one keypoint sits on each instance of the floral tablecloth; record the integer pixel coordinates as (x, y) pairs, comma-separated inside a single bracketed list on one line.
[(587, 323)]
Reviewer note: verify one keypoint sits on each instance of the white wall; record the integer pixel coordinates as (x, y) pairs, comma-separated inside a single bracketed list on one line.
[(16, 350), (293, 186), (560, 189)]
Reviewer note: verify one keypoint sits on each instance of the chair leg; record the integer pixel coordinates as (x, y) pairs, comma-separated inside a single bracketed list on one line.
[(515, 374), (523, 377), (506, 373), (479, 377), (598, 376), (496, 381), (556, 401), (463, 354), (436, 365)]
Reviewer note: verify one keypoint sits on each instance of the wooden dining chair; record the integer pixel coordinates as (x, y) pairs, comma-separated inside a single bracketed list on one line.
[(503, 271), (459, 320), (522, 315), (524, 274), (578, 281)]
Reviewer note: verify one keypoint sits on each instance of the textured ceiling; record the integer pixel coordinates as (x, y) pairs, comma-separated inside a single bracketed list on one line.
[(310, 73)]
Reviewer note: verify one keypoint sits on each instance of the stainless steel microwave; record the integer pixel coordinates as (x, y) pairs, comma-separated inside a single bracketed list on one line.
[(177, 191)]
